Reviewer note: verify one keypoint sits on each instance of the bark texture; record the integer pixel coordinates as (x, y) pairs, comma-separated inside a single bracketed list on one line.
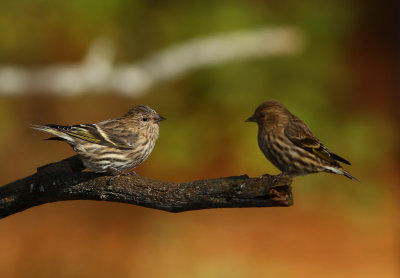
[(63, 180)]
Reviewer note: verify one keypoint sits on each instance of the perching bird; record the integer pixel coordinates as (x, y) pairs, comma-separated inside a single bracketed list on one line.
[(290, 145), (112, 145)]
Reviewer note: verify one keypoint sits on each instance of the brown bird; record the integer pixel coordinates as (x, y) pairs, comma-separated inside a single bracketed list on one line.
[(113, 145), (290, 145)]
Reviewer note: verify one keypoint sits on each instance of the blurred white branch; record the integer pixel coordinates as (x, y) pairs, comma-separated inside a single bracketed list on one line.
[(97, 72)]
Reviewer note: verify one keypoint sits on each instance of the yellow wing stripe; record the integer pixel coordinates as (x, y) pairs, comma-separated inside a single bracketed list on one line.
[(84, 136)]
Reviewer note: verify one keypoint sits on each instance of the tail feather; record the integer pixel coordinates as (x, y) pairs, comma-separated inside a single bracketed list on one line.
[(348, 175), (54, 130), (340, 171)]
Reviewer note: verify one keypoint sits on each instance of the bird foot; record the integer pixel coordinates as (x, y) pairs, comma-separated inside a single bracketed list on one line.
[(264, 176), (276, 178), (118, 173)]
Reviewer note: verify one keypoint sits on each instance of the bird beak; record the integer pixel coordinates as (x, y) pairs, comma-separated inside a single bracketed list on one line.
[(159, 118), (252, 119)]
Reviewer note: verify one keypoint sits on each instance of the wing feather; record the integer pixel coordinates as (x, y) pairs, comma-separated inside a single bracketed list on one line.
[(301, 135), (95, 134)]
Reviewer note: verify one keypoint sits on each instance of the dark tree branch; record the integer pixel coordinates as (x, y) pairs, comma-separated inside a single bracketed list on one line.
[(64, 180)]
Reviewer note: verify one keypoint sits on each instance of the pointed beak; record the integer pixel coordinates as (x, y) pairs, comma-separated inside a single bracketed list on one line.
[(252, 119), (159, 118)]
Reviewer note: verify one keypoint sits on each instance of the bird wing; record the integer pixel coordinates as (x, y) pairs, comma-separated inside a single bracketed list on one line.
[(118, 133), (301, 135), (93, 133)]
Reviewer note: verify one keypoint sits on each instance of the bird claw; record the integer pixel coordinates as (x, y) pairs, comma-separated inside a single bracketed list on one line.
[(118, 173), (276, 178), (264, 176)]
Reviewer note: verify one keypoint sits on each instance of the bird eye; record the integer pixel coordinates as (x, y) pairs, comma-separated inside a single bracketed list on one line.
[(144, 119)]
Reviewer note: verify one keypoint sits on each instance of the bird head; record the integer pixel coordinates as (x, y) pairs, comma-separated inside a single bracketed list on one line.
[(270, 113), (144, 115)]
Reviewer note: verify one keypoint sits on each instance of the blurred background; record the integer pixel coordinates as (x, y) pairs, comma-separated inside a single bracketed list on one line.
[(205, 65)]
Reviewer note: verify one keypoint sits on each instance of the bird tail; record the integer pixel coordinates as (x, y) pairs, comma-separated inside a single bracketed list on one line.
[(340, 171), (348, 175), (59, 135)]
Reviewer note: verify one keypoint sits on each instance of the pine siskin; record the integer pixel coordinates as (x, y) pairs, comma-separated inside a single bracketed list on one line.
[(112, 145), (290, 145)]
